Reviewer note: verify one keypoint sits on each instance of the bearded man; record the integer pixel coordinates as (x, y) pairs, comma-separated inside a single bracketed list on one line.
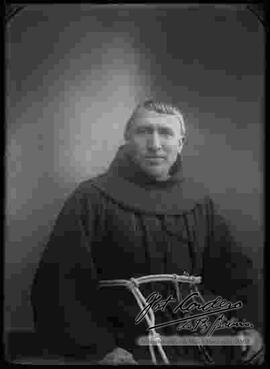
[(140, 218)]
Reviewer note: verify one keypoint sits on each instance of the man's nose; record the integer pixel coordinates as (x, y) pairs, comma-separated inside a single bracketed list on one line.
[(154, 142)]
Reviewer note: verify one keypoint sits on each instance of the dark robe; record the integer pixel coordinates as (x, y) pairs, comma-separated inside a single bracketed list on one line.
[(123, 224)]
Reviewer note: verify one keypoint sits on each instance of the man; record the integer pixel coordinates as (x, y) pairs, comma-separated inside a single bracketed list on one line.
[(139, 218)]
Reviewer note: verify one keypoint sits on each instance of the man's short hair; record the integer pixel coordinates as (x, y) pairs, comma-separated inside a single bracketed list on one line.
[(158, 107)]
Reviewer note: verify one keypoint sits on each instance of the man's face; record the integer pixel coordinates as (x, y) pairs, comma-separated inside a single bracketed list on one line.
[(154, 140)]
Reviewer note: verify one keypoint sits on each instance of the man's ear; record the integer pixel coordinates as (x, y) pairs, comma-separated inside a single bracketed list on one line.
[(126, 136), (182, 141)]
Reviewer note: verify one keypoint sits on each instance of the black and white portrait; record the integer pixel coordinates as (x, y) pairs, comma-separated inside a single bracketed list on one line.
[(134, 225)]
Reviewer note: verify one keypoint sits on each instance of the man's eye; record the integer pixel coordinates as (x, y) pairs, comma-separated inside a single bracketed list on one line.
[(165, 132), (142, 130)]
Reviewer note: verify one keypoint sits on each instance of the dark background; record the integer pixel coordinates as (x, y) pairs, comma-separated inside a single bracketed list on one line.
[(73, 75)]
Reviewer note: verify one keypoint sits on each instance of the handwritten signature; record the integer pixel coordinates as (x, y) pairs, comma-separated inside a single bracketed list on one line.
[(199, 321)]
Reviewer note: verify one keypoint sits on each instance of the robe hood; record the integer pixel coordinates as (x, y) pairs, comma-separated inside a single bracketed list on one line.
[(128, 185)]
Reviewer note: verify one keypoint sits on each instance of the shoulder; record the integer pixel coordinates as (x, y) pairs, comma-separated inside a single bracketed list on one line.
[(86, 194), (87, 187)]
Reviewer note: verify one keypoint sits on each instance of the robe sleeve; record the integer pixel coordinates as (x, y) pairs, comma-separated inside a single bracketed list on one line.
[(227, 271), (67, 315)]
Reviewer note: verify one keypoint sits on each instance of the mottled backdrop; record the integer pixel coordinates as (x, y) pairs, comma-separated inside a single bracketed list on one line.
[(73, 76)]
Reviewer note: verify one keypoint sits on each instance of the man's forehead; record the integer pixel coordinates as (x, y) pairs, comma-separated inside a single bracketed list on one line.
[(144, 116)]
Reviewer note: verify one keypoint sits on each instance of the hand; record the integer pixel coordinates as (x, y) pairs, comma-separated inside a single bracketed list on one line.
[(118, 356), (254, 353)]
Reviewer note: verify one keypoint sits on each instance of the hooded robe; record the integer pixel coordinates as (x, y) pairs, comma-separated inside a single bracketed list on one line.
[(123, 224)]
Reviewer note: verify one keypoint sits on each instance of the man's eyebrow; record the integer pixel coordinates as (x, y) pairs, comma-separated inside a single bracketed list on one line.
[(165, 127), (159, 126), (144, 126)]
